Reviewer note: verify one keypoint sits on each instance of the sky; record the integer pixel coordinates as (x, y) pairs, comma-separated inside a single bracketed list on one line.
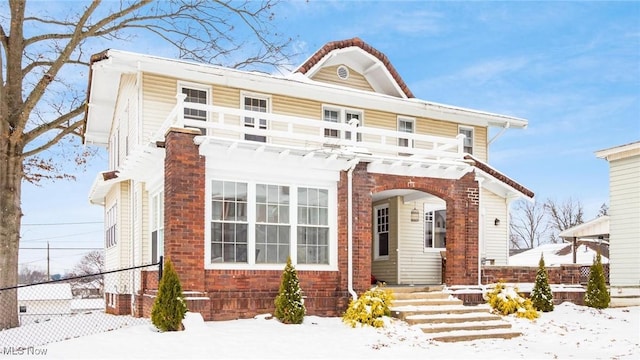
[(568, 332), (572, 69)]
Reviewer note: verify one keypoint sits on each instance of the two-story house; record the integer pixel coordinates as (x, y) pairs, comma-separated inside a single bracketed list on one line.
[(336, 165)]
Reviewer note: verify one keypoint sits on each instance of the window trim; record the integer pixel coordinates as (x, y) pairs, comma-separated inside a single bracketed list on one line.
[(111, 226), (376, 239), (254, 95), (342, 118), (410, 142), (468, 128), (156, 195), (202, 87), (293, 223), (427, 208)]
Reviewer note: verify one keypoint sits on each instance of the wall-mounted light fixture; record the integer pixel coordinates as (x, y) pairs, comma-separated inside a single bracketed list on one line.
[(415, 214), (496, 222)]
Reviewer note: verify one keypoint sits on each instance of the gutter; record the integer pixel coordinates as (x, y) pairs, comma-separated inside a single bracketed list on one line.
[(354, 163)]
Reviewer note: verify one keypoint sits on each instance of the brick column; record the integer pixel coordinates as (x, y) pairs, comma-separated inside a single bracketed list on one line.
[(184, 204)]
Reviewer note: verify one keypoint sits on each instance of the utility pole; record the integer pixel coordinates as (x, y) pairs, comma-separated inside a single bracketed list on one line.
[(48, 273)]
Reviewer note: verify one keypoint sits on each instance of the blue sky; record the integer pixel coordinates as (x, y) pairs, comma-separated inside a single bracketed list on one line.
[(572, 69)]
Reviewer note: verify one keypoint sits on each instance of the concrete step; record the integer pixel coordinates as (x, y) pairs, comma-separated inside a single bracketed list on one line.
[(469, 325), (401, 312), (451, 318), (396, 289), (426, 302), (421, 295), (468, 335)]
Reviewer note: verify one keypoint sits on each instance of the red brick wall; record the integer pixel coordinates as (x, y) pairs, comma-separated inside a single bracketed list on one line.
[(563, 274), (184, 204), (122, 304), (461, 197)]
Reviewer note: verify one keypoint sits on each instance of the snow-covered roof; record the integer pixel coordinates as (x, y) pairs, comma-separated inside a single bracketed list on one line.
[(598, 227), (556, 254), (56, 291)]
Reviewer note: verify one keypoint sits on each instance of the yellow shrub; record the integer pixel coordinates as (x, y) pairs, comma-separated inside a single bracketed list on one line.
[(369, 308), (506, 300)]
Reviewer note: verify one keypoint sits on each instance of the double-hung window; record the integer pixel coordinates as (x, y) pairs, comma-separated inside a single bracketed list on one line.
[(157, 226), (381, 236), (273, 231), (258, 104), (313, 226), (195, 94), (468, 139), (405, 125), (435, 228), (340, 115), (229, 225)]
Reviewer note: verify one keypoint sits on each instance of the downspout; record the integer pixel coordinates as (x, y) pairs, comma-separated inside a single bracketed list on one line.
[(354, 163)]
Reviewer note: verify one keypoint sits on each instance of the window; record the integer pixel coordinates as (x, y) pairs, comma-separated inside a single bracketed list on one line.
[(313, 226), (272, 224), (405, 125), (263, 224), (23, 308), (229, 224), (468, 140), (435, 228), (337, 115), (157, 226), (198, 96), (260, 105), (381, 241), (110, 227)]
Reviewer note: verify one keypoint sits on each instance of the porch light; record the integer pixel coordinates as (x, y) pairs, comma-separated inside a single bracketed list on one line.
[(415, 214), (496, 222)]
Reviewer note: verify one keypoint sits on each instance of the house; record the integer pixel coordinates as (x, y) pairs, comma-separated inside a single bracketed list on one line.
[(41, 302), (562, 253), (593, 234), (336, 165), (624, 215)]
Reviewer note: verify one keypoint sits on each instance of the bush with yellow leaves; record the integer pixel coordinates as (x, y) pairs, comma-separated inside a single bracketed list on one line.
[(505, 300), (369, 308)]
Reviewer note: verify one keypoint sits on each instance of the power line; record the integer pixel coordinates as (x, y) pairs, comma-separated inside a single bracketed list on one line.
[(63, 236), (66, 248), (56, 224)]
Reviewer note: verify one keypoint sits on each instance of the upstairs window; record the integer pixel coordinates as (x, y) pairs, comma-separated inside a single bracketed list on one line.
[(259, 104), (339, 115), (195, 95), (405, 125), (468, 140)]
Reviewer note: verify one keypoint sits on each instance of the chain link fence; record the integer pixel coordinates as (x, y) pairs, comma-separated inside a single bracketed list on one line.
[(69, 308)]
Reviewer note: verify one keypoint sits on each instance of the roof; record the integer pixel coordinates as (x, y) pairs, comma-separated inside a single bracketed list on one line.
[(54, 291), (325, 52), (500, 176), (559, 254), (619, 152), (598, 227)]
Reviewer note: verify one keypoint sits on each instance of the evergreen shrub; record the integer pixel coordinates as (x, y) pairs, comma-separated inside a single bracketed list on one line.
[(289, 304), (597, 295), (541, 295), (506, 300), (369, 308), (169, 308)]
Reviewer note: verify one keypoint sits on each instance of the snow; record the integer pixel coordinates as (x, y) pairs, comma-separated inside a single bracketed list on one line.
[(584, 256), (568, 332)]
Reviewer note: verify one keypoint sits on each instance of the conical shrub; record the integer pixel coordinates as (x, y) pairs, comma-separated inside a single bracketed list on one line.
[(541, 295), (597, 295), (289, 305), (169, 308)]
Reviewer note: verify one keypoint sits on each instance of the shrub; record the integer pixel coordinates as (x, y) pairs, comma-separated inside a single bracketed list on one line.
[(506, 300), (289, 305), (597, 295), (541, 295), (169, 307), (369, 308)]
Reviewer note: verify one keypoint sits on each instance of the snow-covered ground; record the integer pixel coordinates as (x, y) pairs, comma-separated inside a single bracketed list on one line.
[(569, 332)]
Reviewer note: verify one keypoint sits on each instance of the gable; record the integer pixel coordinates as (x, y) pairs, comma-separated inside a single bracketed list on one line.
[(342, 75), (358, 56)]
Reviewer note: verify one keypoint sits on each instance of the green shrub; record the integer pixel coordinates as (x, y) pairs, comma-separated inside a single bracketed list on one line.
[(597, 295), (169, 307), (289, 305), (506, 300), (541, 295), (369, 308)]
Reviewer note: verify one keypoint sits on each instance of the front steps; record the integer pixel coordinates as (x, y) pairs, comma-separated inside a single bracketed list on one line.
[(443, 317)]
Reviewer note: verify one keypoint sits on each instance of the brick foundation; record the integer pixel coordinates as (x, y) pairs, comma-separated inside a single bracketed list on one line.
[(118, 304)]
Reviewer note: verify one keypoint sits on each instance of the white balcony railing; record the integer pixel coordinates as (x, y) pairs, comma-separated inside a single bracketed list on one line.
[(306, 133)]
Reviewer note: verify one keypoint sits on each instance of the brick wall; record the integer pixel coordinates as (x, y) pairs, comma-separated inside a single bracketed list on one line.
[(563, 274), (121, 304)]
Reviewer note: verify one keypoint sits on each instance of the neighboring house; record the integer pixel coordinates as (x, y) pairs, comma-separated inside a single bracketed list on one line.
[(41, 302), (624, 214), (593, 234), (562, 254), (336, 165)]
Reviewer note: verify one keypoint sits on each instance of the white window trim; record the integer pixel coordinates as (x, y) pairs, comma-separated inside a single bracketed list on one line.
[(197, 86), (473, 134), (413, 122), (293, 223), (425, 209), (245, 94), (342, 116), (152, 197), (376, 243)]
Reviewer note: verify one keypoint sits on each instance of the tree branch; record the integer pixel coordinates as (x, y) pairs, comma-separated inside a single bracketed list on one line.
[(68, 130)]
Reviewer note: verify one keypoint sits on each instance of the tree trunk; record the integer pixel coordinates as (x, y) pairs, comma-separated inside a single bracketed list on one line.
[(10, 217)]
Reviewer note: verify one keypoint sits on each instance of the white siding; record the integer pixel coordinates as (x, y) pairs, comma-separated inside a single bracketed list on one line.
[(625, 221), (496, 243)]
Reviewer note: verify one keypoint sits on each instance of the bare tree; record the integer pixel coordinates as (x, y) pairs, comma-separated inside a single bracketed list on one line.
[(604, 210), (565, 215), (29, 275), (42, 107), (92, 263), (528, 225)]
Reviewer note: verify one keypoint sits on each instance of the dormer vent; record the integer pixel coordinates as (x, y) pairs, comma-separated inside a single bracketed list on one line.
[(343, 72)]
